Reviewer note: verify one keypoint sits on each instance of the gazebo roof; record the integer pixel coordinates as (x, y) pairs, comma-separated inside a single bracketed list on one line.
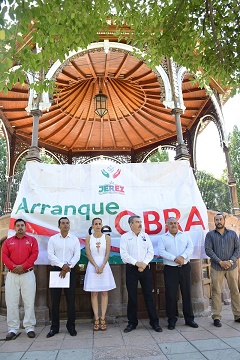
[(136, 115)]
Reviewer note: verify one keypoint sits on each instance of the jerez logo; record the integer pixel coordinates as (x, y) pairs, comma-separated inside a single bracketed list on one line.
[(111, 188)]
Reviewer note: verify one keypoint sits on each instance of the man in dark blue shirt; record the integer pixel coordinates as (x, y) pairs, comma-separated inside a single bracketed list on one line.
[(222, 246)]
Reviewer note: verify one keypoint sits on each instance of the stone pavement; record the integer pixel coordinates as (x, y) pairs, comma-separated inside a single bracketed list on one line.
[(206, 342)]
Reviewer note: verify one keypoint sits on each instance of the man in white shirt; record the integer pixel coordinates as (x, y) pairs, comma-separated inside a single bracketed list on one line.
[(175, 247), (136, 252), (64, 253)]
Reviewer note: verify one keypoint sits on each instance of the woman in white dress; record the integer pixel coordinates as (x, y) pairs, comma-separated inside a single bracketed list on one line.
[(99, 277)]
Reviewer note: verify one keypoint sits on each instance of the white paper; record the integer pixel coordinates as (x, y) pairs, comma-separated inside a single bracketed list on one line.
[(55, 281)]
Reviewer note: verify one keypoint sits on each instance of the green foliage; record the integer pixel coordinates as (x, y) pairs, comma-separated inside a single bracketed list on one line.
[(47, 159), (215, 193), (196, 34), (14, 182), (16, 179), (234, 153), (3, 173), (7, 183), (159, 156)]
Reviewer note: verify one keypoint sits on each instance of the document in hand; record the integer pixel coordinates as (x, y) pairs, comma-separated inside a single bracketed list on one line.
[(56, 282)]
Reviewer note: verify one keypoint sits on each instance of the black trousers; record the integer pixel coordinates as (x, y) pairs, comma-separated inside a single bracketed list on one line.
[(173, 277), (145, 278), (70, 298)]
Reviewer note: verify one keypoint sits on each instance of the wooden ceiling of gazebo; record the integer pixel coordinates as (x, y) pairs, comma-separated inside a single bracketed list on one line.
[(136, 116)]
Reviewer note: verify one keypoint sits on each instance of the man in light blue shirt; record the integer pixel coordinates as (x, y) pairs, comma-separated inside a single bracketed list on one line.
[(175, 247)]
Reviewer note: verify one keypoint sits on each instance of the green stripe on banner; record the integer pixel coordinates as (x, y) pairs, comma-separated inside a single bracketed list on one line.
[(83, 258)]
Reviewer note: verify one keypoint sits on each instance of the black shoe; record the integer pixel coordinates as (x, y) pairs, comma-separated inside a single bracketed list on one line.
[(51, 333), (72, 332), (237, 320), (31, 334), (191, 323), (129, 328), (157, 328), (171, 326), (217, 323), (10, 335)]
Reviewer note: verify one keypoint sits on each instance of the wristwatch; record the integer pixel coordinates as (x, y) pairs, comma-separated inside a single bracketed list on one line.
[(231, 262)]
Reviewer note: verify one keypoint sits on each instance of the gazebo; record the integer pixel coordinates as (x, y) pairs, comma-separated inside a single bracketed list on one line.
[(143, 110)]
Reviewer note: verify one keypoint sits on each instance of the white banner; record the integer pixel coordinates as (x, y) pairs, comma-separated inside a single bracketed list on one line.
[(112, 192)]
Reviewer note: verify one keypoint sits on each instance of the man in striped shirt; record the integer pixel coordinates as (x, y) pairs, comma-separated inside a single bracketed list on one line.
[(222, 246)]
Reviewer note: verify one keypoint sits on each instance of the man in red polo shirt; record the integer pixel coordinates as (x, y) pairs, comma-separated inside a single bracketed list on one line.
[(19, 254)]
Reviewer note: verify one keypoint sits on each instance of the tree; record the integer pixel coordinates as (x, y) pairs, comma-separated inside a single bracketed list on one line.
[(5, 181), (201, 35), (215, 193), (234, 154), (3, 166), (16, 179), (47, 159), (159, 156)]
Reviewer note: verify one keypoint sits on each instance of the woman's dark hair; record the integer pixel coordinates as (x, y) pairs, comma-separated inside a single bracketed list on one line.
[(96, 219), (105, 229)]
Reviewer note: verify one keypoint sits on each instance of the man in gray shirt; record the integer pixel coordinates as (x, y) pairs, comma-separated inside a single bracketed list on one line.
[(222, 246)]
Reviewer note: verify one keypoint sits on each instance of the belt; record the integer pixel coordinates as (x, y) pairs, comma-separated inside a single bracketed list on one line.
[(130, 265), (134, 266), (177, 265), (25, 271)]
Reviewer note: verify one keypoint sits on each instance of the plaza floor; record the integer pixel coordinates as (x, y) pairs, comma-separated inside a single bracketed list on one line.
[(206, 342)]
